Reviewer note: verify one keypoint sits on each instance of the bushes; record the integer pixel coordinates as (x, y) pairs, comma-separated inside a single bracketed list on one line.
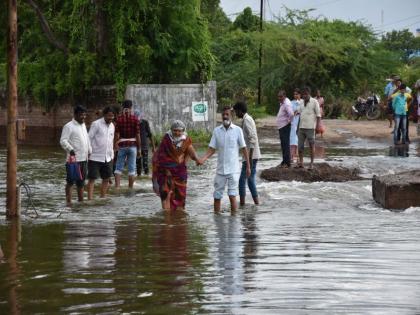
[(339, 108), (109, 42), (342, 59)]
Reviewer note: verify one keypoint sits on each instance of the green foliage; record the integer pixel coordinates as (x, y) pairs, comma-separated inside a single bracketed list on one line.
[(402, 42), (3, 32), (218, 22), (257, 112), (246, 21), (411, 72), (343, 59), (185, 41), (110, 42)]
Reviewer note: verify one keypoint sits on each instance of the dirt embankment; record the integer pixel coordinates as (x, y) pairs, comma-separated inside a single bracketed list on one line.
[(321, 172), (338, 131)]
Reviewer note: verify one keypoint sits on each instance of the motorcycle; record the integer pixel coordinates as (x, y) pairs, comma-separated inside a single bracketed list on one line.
[(367, 107)]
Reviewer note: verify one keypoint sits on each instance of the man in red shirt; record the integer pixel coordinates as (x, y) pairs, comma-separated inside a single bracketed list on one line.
[(127, 142)]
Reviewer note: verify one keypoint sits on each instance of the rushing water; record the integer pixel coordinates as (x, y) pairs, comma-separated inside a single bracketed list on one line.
[(318, 248)]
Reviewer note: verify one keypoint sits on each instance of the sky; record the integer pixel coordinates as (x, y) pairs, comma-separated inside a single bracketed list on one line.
[(396, 14)]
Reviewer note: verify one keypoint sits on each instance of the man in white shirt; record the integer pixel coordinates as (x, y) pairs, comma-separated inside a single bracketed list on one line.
[(75, 141), (227, 139), (310, 118), (101, 136), (249, 130)]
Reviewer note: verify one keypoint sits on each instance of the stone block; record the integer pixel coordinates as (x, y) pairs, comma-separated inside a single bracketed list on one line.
[(397, 191), (321, 172)]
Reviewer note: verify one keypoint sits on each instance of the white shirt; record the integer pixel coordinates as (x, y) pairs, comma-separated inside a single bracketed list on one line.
[(309, 114), (75, 137), (227, 143), (101, 136), (285, 114), (251, 137)]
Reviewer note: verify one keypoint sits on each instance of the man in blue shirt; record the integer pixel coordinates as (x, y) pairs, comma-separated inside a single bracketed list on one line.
[(388, 91), (227, 139), (399, 106)]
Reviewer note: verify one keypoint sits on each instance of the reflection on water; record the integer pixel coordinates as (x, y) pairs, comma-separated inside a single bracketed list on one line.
[(229, 254), (322, 248), (399, 151), (88, 248), (13, 277)]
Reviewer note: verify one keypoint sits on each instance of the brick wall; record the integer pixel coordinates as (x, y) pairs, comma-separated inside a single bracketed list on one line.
[(44, 127)]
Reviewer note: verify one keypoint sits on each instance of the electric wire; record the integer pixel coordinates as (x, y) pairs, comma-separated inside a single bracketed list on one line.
[(30, 205)]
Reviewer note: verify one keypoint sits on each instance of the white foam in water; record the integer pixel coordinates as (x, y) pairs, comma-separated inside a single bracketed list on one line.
[(368, 187), (370, 207), (412, 210)]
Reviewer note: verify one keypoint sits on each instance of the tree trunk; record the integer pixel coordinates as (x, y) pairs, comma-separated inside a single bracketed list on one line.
[(12, 102), (100, 27), (46, 28)]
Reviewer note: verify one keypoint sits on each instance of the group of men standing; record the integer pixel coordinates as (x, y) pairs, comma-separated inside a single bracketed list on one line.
[(302, 118), (91, 154)]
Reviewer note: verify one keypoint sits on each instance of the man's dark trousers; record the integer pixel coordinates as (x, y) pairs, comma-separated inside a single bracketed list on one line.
[(284, 134)]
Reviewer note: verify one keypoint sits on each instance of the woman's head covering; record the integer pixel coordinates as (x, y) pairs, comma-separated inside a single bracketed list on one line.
[(177, 141), (177, 124)]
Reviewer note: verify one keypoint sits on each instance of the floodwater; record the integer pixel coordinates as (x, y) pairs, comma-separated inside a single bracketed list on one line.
[(310, 248)]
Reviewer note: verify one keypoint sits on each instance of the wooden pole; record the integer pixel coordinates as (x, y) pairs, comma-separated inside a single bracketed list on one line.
[(13, 240), (260, 54), (11, 202)]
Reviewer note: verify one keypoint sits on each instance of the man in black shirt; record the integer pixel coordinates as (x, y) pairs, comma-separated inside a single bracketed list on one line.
[(146, 137)]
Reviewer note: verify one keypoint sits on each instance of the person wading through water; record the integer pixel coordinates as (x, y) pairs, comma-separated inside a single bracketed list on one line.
[(227, 140)]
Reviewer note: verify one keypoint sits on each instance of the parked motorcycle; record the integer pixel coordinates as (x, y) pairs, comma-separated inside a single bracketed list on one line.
[(367, 107)]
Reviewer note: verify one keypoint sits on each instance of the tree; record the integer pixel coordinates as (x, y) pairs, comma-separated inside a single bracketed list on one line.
[(247, 21), (343, 59), (66, 47), (217, 20), (402, 42)]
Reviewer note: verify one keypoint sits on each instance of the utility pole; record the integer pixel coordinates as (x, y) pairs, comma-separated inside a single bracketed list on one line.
[(12, 100), (382, 21), (260, 53)]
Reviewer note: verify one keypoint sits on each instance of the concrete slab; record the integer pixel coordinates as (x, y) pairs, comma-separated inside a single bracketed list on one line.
[(322, 172), (397, 191)]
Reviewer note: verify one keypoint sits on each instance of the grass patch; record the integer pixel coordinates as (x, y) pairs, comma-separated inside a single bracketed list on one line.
[(257, 112), (199, 137)]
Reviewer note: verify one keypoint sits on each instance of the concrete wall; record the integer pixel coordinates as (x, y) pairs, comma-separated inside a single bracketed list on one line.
[(163, 103)]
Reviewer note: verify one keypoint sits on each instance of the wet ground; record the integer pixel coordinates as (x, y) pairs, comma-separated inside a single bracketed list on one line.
[(309, 248)]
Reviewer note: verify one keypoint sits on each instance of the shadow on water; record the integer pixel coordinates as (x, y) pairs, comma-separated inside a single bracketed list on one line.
[(399, 150)]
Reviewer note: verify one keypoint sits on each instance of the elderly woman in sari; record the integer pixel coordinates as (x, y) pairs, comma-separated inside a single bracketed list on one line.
[(170, 167)]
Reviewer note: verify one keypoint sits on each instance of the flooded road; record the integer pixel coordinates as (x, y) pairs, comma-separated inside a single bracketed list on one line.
[(310, 248)]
